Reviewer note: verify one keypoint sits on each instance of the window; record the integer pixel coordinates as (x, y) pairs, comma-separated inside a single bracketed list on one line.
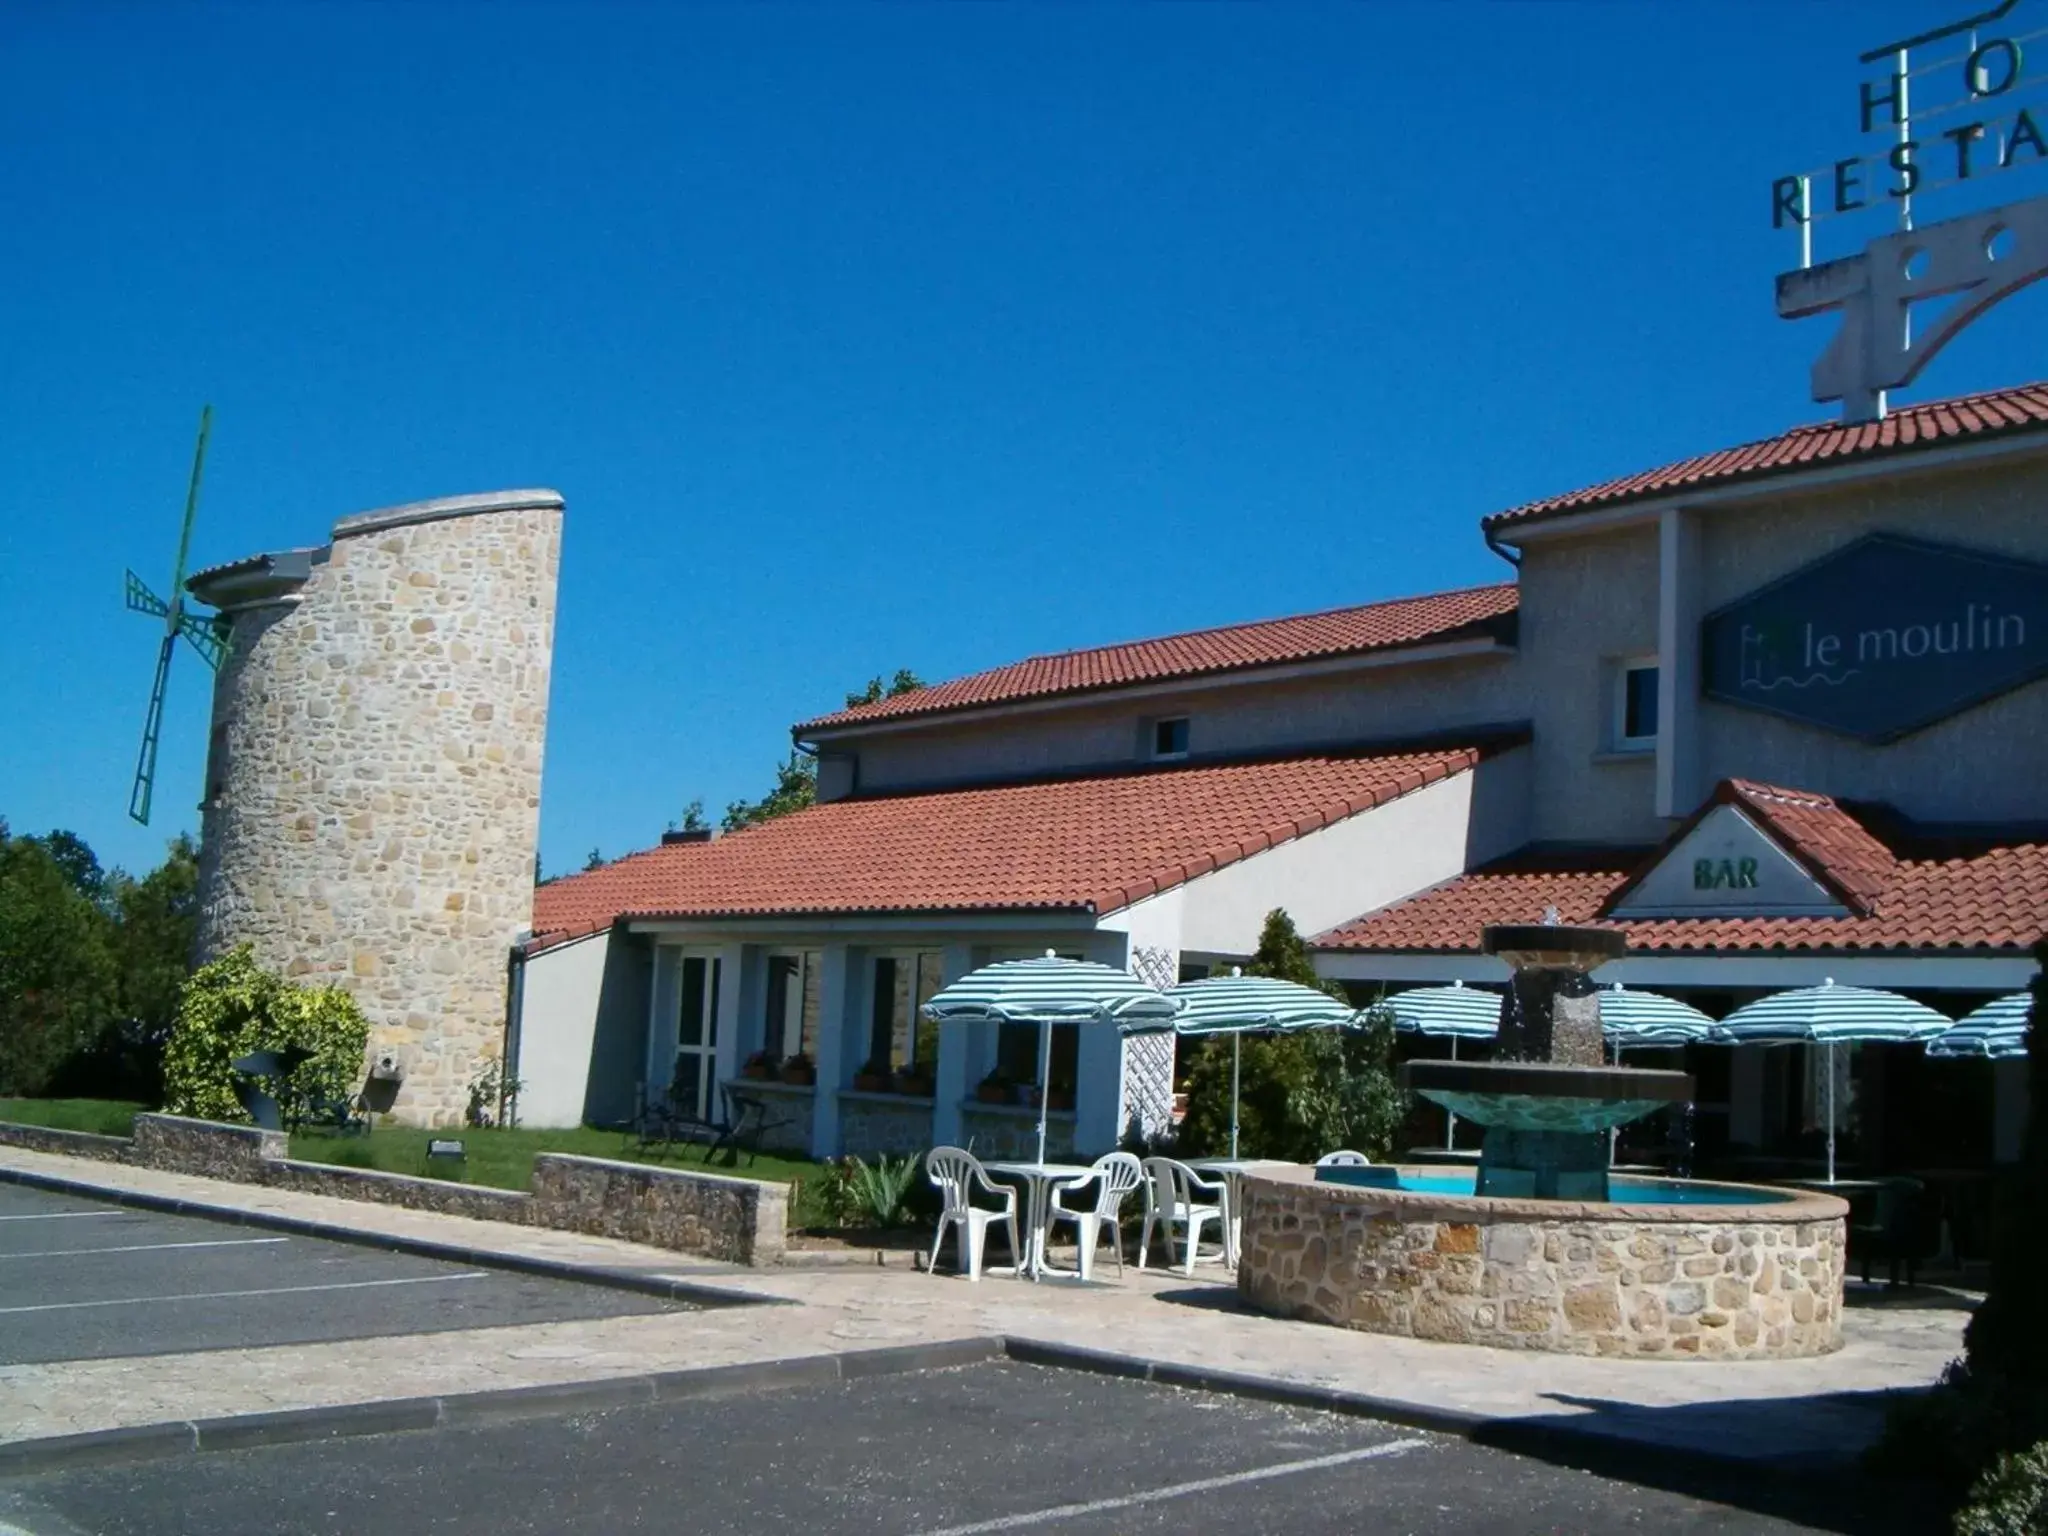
[(1170, 737), (924, 1034), (1635, 706), (882, 1015), (782, 1030)]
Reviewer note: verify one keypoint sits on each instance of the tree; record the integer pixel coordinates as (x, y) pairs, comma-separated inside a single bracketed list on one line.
[(693, 818), (796, 781), (905, 681), (57, 972), (156, 926), (593, 860), (1300, 1095), (81, 866)]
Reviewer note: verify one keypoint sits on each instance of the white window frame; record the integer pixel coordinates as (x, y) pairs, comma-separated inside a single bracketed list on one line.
[(1152, 738), (1619, 739)]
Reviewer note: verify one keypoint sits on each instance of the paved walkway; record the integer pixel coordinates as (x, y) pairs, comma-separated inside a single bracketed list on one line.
[(1766, 1410)]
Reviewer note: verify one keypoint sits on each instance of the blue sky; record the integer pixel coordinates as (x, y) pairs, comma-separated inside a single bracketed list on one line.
[(861, 337)]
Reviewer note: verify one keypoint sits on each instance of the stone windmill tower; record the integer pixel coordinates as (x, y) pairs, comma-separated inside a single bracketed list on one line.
[(373, 774)]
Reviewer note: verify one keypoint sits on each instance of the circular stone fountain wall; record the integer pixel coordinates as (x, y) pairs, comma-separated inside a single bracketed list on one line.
[(1737, 1281)]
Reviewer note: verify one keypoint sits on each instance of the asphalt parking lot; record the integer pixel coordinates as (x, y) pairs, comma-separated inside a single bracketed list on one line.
[(84, 1280), (996, 1447)]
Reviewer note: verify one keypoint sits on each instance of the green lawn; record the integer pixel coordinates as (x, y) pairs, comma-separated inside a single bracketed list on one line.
[(106, 1117), (505, 1158)]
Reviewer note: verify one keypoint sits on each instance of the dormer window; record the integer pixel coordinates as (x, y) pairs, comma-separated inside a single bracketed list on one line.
[(1170, 738)]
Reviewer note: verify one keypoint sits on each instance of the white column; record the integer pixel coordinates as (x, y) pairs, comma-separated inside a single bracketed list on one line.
[(732, 960), (836, 994), (1678, 662), (662, 1004), (952, 1083)]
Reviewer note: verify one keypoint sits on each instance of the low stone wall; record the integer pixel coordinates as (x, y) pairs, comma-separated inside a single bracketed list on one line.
[(1733, 1282), (998, 1131), (444, 1196), (44, 1138), (871, 1123), (206, 1147), (788, 1103), (743, 1221)]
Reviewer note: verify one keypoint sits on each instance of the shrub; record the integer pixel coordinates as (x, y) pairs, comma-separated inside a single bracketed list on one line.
[(234, 1006), (2011, 1499), (881, 1190)]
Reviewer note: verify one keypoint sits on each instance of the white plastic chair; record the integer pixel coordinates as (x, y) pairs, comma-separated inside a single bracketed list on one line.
[(956, 1175), (1343, 1160), (1170, 1190), (1116, 1175)]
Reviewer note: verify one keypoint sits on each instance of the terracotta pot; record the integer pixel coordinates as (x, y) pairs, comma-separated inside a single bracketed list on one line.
[(759, 1071), (800, 1077), (996, 1093), (871, 1082), (1060, 1102), (913, 1086)]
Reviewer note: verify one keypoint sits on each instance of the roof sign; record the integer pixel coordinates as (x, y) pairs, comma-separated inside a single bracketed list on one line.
[(1881, 638), (1726, 866)]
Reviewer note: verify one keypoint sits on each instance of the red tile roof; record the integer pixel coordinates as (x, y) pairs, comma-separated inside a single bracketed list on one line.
[(1993, 897), (1437, 616), (1087, 844), (1937, 423)]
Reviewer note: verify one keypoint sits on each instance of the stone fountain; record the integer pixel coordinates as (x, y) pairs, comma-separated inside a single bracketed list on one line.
[(1548, 1100)]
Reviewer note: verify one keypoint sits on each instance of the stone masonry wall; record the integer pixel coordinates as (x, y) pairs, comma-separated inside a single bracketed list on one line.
[(884, 1122), (373, 784), (1662, 1282), (740, 1220)]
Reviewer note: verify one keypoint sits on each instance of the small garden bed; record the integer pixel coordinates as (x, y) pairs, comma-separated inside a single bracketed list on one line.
[(504, 1159), (101, 1117)]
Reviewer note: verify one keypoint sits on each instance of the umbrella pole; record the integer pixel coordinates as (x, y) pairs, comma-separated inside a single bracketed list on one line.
[(1044, 1080), (1236, 1051), (1831, 1111), (1450, 1116)]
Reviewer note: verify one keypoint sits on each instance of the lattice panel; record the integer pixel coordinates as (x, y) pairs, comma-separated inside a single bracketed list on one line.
[(1148, 1059)]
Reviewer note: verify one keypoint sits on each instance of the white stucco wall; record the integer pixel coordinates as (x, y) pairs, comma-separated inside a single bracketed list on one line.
[(1353, 867), (583, 1031), (1375, 704), (559, 1006), (1982, 765)]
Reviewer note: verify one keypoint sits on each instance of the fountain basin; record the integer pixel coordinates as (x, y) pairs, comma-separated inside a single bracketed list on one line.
[(1536, 1096), (1750, 1274)]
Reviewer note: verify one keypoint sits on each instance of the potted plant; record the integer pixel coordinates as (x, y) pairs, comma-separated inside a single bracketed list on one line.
[(915, 1082), (760, 1066), (873, 1076), (1027, 1095), (800, 1071), (996, 1089), (1059, 1098)]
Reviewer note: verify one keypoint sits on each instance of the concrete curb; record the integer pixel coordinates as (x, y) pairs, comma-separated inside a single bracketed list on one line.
[(155, 1442), (668, 1289), (1625, 1458)]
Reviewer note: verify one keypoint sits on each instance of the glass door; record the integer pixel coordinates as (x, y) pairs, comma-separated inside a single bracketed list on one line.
[(696, 1074)]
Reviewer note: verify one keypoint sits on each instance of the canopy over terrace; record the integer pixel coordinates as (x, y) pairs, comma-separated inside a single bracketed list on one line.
[(1133, 869)]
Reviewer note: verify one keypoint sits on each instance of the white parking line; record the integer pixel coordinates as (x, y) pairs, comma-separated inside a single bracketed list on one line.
[(1181, 1490), (275, 1290), (213, 1242), (61, 1215)]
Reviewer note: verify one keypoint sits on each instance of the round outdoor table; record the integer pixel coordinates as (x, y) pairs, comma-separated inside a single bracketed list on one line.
[(1038, 1180), (1232, 1171)]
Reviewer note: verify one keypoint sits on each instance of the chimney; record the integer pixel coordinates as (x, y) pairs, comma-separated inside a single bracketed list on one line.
[(701, 835)]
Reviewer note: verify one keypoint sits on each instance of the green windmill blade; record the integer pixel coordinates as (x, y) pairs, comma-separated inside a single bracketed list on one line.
[(198, 631)]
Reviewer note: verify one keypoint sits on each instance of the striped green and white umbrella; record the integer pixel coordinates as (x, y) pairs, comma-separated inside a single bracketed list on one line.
[(1830, 1015), (1459, 1011), (1631, 1019), (1998, 1030), (1046, 991), (1238, 1004)]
